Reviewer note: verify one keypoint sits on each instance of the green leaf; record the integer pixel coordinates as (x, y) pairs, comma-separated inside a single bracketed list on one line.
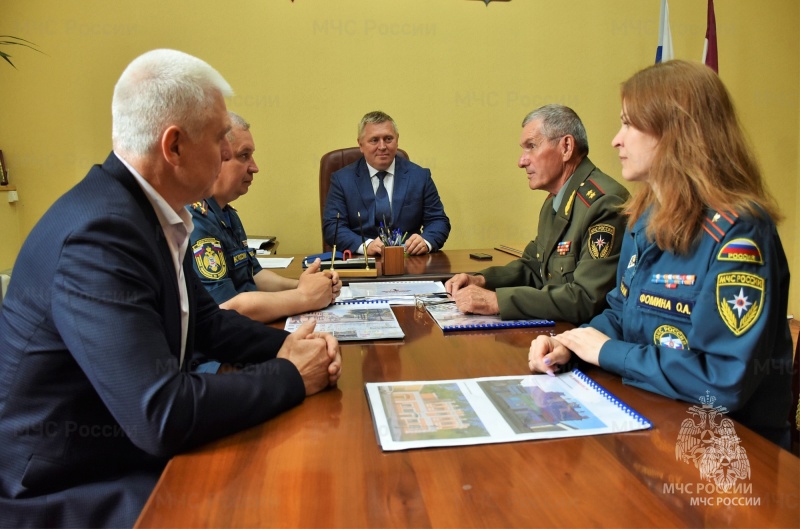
[(5, 57), (15, 41), (15, 38)]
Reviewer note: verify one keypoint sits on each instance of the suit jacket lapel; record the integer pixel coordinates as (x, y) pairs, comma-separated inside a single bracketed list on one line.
[(399, 189), (115, 168), (118, 170), (554, 224), (191, 283), (567, 206)]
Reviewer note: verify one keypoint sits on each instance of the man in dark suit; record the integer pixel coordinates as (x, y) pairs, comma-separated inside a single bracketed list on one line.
[(104, 314), (391, 194)]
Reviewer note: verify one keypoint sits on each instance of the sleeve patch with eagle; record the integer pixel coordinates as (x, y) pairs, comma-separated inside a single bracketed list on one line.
[(210, 258)]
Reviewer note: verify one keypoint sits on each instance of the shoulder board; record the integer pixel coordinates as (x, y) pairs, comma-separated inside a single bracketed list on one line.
[(717, 223), (589, 191), (201, 207)]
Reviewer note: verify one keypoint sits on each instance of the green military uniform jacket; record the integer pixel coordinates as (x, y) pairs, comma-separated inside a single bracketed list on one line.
[(566, 272)]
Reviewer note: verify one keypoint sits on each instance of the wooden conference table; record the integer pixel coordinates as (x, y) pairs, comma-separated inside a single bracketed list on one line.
[(438, 266), (320, 465)]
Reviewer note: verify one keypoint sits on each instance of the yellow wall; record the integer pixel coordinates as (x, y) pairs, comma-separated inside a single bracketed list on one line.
[(457, 75), (9, 227)]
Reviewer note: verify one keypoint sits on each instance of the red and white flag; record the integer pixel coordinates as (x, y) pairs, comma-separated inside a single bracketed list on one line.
[(710, 47)]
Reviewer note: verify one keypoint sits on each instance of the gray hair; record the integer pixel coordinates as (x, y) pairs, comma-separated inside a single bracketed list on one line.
[(559, 121), (376, 117), (237, 123), (158, 89)]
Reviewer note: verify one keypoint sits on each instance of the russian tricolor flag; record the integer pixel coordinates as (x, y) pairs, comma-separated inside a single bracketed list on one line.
[(742, 250), (710, 46), (664, 50)]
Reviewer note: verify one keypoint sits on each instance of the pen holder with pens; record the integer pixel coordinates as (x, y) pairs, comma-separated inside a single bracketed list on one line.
[(393, 260)]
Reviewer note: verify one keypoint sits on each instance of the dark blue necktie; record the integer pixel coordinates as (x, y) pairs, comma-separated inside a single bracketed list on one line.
[(383, 209)]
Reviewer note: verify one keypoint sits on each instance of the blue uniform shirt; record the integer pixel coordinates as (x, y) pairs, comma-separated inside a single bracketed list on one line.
[(714, 320), (222, 259)]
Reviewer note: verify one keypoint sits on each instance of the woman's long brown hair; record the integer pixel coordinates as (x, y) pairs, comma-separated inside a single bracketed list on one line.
[(702, 159)]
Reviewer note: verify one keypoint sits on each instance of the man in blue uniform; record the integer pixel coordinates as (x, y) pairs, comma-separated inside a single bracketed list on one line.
[(225, 264)]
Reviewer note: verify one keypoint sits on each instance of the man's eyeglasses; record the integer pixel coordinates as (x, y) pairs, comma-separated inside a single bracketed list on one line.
[(423, 300)]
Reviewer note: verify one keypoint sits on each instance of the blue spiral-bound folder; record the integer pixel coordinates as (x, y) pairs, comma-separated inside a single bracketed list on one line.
[(643, 421), (496, 410), (324, 257), (450, 318)]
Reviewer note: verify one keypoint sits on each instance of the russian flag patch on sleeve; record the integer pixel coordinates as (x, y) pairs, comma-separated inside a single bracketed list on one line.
[(741, 250)]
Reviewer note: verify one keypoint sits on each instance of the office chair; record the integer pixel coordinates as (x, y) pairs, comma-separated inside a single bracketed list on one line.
[(329, 164), (794, 411)]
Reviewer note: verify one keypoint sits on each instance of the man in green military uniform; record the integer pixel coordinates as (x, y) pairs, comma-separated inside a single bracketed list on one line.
[(565, 273)]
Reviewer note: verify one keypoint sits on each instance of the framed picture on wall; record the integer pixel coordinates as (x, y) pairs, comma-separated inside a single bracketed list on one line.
[(3, 172)]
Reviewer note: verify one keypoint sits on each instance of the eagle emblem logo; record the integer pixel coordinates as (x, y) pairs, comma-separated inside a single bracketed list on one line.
[(709, 441), (210, 258)]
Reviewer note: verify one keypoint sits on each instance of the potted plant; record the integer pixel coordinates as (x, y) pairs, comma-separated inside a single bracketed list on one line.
[(8, 40)]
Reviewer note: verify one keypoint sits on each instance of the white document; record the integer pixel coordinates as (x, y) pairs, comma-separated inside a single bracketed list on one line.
[(395, 292), (275, 262), (256, 243), (354, 320)]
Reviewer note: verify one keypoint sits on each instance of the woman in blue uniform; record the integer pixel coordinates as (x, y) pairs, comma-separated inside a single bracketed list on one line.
[(700, 305)]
